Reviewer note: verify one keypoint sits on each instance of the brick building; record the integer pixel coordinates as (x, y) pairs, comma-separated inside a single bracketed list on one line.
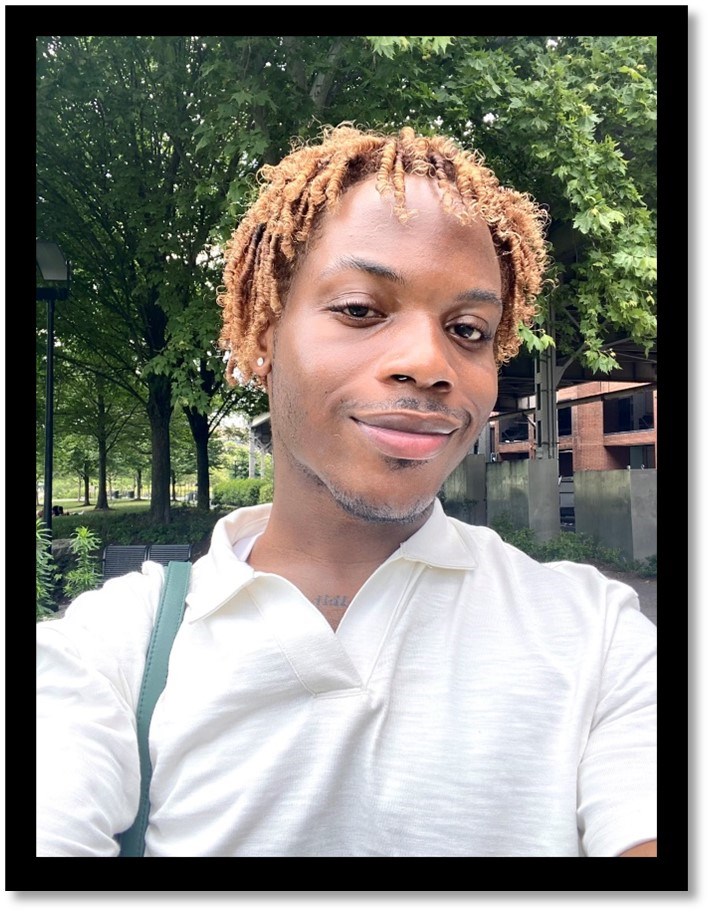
[(602, 425)]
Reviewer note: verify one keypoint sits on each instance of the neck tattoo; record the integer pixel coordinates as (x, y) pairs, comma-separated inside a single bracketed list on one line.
[(325, 599)]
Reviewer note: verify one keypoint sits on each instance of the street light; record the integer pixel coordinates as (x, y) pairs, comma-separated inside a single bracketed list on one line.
[(53, 268)]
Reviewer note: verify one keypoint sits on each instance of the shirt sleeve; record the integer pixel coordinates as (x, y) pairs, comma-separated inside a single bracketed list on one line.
[(89, 670), (617, 782)]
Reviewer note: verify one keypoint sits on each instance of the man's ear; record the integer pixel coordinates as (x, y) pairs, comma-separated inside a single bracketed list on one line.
[(263, 355)]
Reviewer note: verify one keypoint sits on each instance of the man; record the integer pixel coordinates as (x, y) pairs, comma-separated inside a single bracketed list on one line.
[(356, 673)]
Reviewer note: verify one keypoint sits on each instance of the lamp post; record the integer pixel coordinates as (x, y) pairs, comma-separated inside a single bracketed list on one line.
[(53, 268)]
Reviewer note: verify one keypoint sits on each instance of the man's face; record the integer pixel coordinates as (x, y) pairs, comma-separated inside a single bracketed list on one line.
[(382, 368)]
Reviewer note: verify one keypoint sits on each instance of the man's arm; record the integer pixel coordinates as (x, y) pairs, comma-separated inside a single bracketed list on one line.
[(617, 773), (648, 849), (89, 668)]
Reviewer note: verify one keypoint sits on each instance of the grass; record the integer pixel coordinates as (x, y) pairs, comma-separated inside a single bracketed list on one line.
[(130, 522), (122, 505)]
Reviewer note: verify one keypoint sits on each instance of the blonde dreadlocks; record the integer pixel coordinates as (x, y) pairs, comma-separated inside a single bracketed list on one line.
[(264, 250)]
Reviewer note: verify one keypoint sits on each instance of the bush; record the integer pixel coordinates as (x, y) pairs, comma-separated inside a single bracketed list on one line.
[(86, 575), (522, 538), (266, 493), (237, 493), (577, 547), (648, 567), (571, 547), (187, 525), (45, 572)]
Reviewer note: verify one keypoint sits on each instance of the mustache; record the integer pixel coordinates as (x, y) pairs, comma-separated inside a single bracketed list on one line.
[(409, 404)]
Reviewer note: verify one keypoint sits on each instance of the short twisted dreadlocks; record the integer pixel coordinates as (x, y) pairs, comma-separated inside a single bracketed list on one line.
[(266, 248)]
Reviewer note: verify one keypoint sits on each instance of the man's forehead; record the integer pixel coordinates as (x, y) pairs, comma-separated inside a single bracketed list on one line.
[(422, 194)]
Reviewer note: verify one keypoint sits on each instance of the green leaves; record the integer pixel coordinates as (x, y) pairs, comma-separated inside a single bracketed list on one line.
[(637, 261), (389, 45), (576, 127), (45, 572), (86, 574), (147, 150), (535, 338), (598, 218)]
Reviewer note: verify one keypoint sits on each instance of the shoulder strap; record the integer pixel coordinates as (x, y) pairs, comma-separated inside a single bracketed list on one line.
[(168, 619)]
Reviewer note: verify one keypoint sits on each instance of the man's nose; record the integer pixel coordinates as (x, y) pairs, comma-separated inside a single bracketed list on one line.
[(418, 354)]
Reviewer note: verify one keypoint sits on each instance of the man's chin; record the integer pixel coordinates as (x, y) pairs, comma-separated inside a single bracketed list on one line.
[(372, 507), (380, 512)]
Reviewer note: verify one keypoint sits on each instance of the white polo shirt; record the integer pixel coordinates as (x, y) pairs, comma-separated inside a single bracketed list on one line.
[(472, 702)]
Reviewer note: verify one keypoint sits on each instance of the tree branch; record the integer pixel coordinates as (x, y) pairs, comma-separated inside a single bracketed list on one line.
[(323, 80)]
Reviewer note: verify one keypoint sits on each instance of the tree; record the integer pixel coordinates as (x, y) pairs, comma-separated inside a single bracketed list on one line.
[(78, 457), (92, 409), (122, 185), (148, 150), (131, 455), (573, 121)]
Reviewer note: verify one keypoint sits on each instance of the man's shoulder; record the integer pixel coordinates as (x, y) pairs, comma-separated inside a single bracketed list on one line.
[(486, 545), (121, 613), (576, 583)]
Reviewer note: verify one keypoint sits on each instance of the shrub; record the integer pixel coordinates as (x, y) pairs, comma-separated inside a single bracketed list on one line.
[(571, 547), (86, 575), (187, 525), (45, 572), (522, 538), (648, 567), (237, 493), (266, 493)]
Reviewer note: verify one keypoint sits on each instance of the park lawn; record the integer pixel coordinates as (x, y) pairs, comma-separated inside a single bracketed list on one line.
[(119, 505)]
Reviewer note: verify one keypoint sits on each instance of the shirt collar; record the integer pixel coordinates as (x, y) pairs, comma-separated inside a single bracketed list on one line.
[(221, 575), (439, 542)]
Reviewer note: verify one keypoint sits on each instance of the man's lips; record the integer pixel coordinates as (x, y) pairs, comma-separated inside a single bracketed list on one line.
[(408, 436)]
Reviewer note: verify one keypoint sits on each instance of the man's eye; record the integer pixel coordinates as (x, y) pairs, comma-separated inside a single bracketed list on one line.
[(467, 332), (354, 310)]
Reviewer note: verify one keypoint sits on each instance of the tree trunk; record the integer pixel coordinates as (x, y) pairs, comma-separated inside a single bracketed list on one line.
[(87, 481), (201, 435), (102, 503), (159, 410), (139, 483)]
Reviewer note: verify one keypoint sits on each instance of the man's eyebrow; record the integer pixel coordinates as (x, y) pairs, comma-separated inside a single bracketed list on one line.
[(480, 295), (348, 262)]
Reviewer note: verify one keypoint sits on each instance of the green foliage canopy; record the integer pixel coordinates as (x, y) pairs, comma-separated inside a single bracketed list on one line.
[(571, 120), (148, 149)]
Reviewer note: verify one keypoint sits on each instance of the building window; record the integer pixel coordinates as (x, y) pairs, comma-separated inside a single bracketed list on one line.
[(565, 420), (513, 428), (642, 457), (565, 463), (629, 414)]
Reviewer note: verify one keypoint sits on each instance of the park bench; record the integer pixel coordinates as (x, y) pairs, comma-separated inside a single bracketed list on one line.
[(118, 559)]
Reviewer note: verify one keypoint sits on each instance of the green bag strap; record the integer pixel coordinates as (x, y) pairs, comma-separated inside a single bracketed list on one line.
[(168, 619)]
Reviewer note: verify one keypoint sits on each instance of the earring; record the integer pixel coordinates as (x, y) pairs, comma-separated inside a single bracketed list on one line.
[(260, 361)]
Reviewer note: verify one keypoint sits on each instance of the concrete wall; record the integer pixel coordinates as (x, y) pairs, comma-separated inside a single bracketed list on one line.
[(526, 492), (464, 491), (616, 507), (619, 508)]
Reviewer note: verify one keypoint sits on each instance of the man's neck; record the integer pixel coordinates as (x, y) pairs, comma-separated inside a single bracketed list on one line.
[(324, 551), (323, 532)]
